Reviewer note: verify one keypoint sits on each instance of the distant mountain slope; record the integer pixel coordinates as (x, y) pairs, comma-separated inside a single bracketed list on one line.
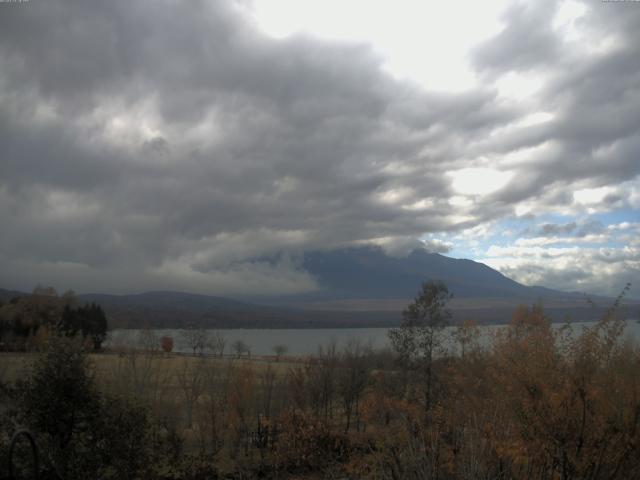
[(367, 272), (6, 295), (160, 309), (168, 308), (166, 299), (358, 287)]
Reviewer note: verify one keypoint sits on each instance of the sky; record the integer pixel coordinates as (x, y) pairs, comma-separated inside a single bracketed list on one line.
[(157, 144)]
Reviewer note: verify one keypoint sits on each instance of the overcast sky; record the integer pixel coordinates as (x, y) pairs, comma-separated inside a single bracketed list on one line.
[(155, 144)]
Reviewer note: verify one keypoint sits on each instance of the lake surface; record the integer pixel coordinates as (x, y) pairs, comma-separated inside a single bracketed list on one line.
[(300, 341)]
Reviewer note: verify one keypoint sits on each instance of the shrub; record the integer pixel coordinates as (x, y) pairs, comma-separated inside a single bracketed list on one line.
[(83, 433), (166, 343)]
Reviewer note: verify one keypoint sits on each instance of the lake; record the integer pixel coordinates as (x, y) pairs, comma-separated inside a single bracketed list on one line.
[(301, 341)]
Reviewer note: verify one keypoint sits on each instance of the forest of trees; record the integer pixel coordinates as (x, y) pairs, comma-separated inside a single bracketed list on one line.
[(535, 402), (26, 322)]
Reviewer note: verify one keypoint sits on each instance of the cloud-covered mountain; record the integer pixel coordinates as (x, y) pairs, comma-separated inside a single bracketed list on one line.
[(369, 273), (151, 145), (360, 286)]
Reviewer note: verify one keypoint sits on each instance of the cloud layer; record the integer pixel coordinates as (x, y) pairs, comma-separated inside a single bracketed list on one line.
[(152, 145)]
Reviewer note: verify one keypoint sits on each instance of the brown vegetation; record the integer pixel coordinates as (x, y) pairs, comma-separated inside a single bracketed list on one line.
[(538, 403)]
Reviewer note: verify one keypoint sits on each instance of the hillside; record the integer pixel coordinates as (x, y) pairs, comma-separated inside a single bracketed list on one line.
[(359, 287), (367, 272)]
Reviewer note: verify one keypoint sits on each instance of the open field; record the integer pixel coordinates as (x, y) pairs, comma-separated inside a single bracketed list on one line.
[(16, 365)]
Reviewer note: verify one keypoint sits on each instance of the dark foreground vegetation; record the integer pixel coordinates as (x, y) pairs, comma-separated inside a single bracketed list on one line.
[(27, 321), (539, 403)]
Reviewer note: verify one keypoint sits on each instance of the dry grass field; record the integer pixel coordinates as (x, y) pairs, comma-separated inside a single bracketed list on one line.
[(112, 368)]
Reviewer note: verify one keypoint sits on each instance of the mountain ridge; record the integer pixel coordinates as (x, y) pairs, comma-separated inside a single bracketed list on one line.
[(359, 286), (368, 272)]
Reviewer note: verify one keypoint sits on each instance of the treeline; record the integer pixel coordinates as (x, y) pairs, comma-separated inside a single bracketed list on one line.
[(536, 403), (27, 321)]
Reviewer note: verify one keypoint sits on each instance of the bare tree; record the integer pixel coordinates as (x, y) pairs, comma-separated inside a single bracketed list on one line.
[(279, 350), (148, 341), (217, 376), (138, 371), (321, 380), (420, 334), (195, 338), (191, 382), (217, 343), (466, 335), (353, 378), (241, 400), (267, 381), (240, 347)]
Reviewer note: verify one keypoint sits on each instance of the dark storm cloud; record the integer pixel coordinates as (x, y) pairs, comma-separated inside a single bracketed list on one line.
[(595, 94), (171, 143), (592, 227), (592, 88), (526, 40), (571, 229), (554, 229), (151, 136)]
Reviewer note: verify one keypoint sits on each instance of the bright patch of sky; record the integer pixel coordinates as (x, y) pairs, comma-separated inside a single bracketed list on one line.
[(478, 181), (427, 42), (550, 250)]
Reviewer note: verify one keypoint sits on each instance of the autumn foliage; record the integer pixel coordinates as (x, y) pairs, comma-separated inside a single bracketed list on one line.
[(533, 401), (166, 343)]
